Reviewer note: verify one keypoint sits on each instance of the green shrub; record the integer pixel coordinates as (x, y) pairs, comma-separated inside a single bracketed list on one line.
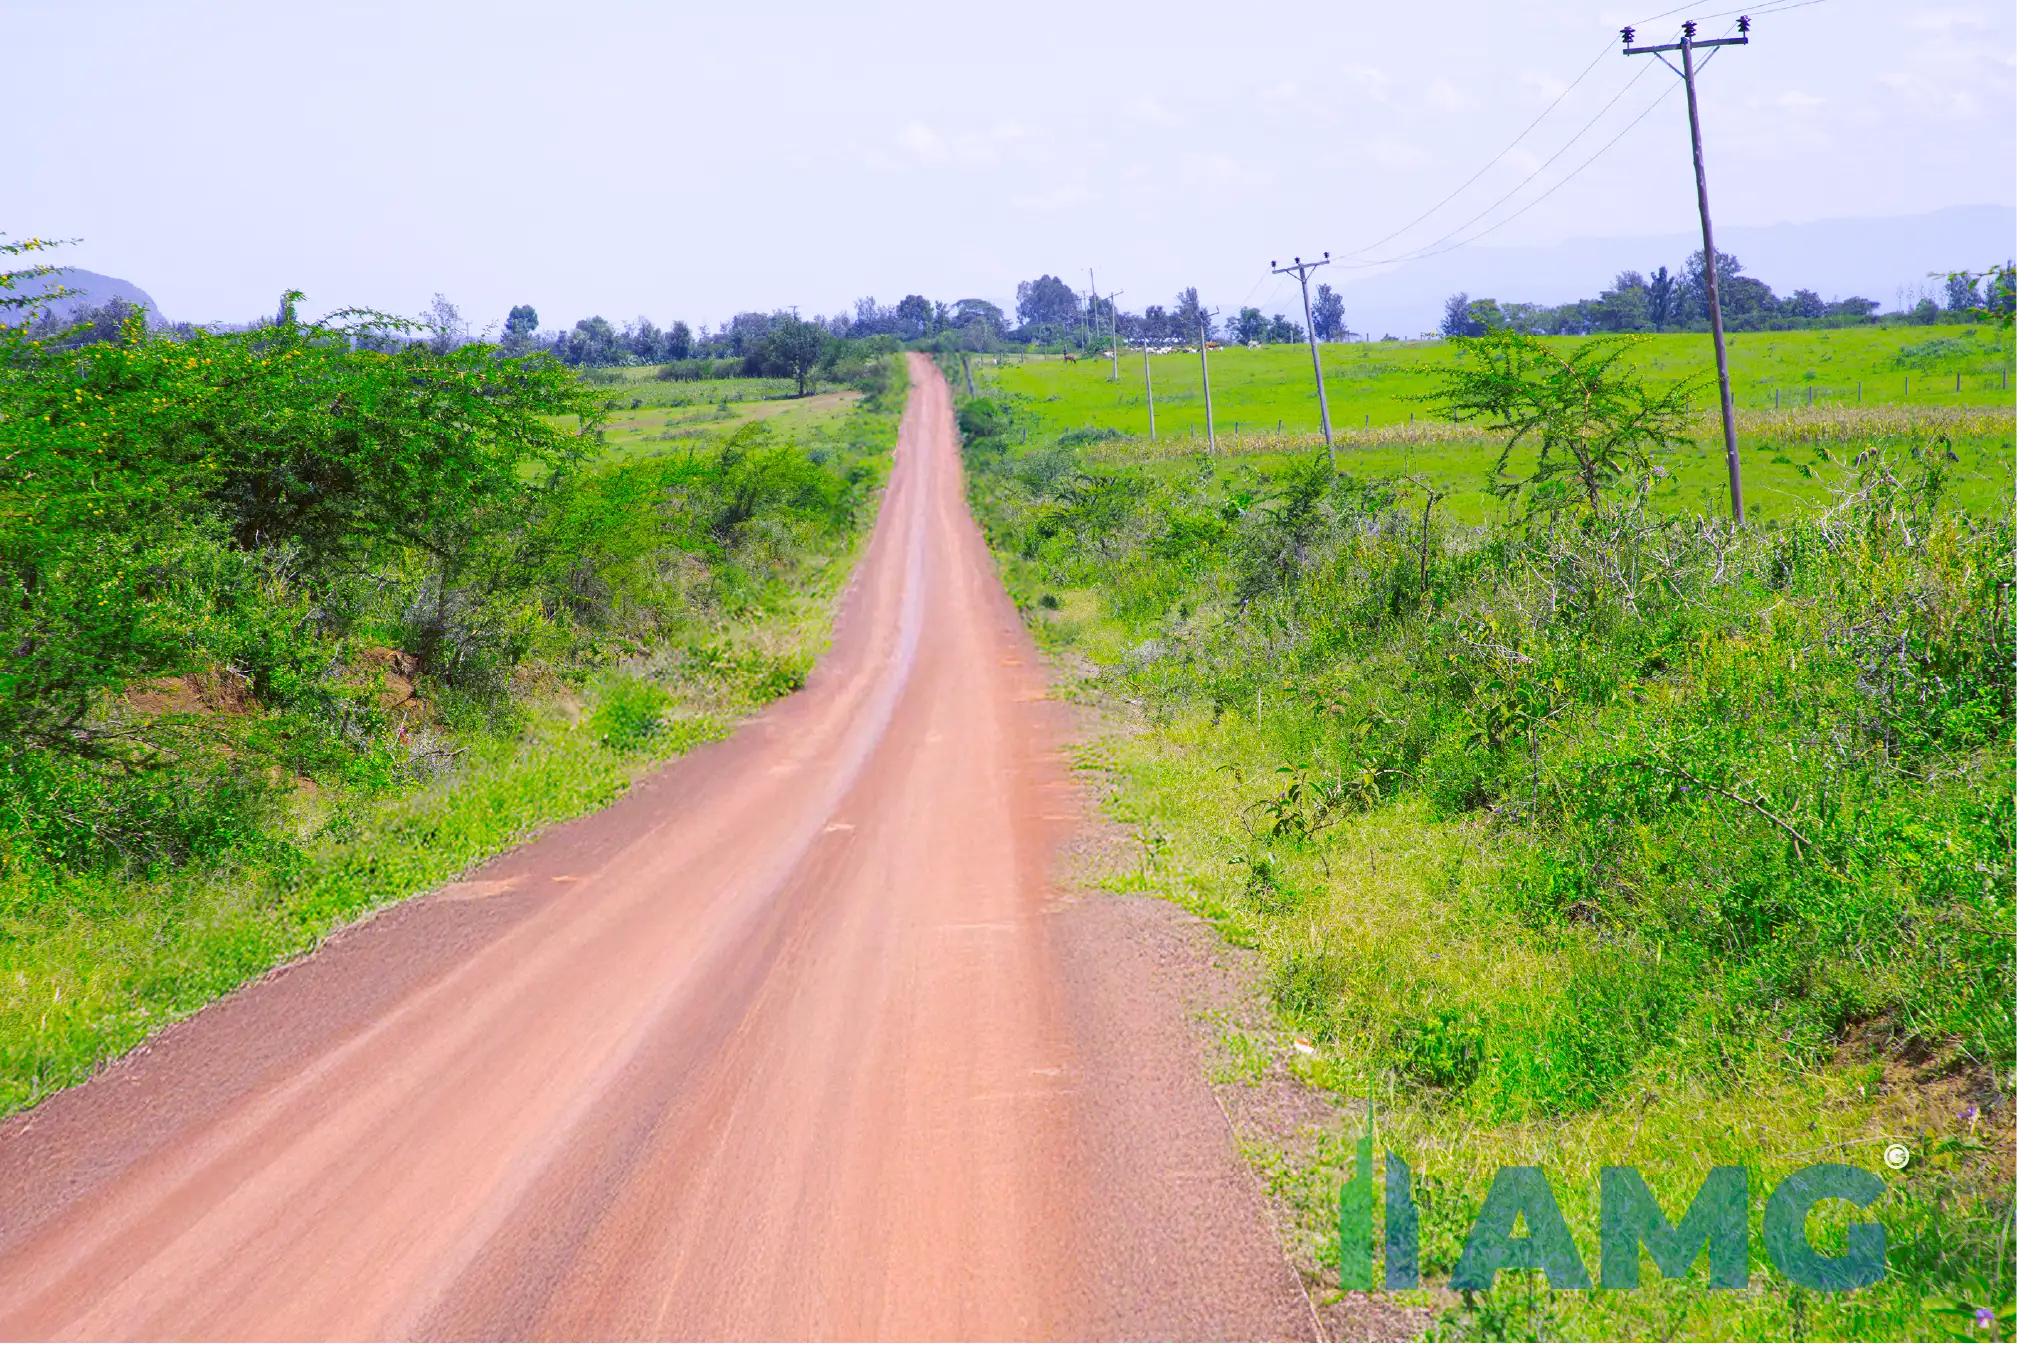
[(1747, 779), (629, 713)]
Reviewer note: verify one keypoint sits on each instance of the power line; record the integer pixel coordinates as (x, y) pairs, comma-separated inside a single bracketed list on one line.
[(1518, 187), (1567, 178), (1511, 145), (1434, 248)]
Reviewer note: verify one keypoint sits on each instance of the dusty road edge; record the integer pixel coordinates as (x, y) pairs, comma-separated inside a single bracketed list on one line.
[(1274, 1123)]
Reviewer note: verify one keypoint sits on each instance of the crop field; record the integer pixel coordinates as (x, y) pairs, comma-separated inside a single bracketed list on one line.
[(1264, 405)]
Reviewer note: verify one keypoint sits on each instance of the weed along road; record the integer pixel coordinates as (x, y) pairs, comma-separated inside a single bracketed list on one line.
[(796, 1039)]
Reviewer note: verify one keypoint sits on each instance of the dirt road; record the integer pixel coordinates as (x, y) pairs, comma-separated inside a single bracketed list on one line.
[(795, 1040)]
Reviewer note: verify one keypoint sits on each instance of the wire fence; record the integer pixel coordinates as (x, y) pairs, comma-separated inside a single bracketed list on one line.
[(1933, 387)]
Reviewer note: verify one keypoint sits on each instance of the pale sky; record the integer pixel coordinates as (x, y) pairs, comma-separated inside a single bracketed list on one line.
[(690, 161)]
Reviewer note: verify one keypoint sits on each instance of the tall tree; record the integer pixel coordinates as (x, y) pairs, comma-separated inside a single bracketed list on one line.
[(871, 318), (971, 312), (1625, 307), (1456, 315), (914, 314), (1046, 301), (678, 341), (593, 341), (644, 341), (1660, 305), (1694, 285), (746, 332), (521, 329), (445, 325), (1328, 315), (1190, 319), (1250, 326)]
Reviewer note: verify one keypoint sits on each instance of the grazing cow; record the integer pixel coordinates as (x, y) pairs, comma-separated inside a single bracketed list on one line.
[(1071, 358), (1213, 345)]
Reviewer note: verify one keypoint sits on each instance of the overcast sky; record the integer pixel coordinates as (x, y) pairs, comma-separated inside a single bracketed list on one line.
[(690, 161)]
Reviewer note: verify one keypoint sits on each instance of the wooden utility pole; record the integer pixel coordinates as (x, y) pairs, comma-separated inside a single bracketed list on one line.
[(1114, 330), (1205, 363), (1149, 382), (1687, 47), (1092, 308), (1301, 271)]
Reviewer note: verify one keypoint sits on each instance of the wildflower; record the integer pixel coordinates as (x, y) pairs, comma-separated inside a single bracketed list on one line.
[(1984, 1319)]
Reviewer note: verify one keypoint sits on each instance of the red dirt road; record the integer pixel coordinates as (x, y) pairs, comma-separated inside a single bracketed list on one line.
[(796, 1040)]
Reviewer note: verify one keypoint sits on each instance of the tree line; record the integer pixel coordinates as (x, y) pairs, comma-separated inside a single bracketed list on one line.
[(1048, 312), (1668, 301)]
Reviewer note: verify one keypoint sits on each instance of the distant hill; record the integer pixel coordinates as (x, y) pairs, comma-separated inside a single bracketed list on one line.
[(88, 289), (1837, 258)]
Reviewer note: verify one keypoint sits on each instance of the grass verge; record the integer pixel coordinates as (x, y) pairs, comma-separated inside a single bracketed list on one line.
[(1628, 840), (665, 644)]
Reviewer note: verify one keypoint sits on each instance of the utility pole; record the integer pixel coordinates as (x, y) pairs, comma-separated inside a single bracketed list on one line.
[(1092, 307), (1205, 363), (1149, 382), (1687, 46), (1301, 271), (1114, 330)]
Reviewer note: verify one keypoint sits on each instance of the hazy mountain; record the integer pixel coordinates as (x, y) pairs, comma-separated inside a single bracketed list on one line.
[(1874, 258), (87, 289)]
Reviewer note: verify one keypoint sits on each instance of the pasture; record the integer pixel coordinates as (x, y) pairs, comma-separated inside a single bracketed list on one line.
[(1264, 405), (646, 415)]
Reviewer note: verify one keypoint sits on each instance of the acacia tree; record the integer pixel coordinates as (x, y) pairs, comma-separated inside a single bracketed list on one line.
[(171, 504), (1589, 418), (1995, 300), (797, 347), (11, 281)]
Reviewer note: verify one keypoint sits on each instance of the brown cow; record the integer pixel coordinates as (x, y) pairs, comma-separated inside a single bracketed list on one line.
[(1071, 358)]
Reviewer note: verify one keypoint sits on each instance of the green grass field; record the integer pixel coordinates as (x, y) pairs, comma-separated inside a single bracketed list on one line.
[(647, 415), (1369, 385), (1264, 405)]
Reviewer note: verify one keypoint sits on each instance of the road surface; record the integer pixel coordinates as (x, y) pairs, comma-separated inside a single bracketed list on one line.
[(796, 1040)]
